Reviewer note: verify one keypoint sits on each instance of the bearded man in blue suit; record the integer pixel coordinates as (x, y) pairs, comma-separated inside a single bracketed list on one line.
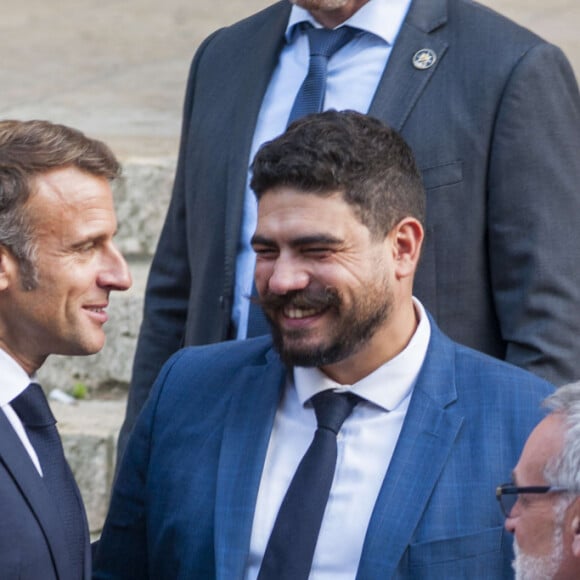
[(492, 113), (341, 208)]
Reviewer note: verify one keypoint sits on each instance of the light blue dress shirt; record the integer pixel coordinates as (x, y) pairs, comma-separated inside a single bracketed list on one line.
[(354, 73)]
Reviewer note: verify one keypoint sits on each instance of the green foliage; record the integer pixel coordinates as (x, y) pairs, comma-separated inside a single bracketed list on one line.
[(79, 391)]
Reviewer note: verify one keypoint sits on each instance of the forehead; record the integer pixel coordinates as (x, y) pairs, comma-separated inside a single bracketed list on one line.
[(544, 443), (286, 210), (69, 195)]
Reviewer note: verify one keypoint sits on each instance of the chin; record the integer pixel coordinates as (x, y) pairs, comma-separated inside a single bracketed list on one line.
[(86, 347), (527, 567), (320, 4)]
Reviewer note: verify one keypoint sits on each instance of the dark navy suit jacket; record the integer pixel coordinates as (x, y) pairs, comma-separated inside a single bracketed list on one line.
[(184, 500), (32, 540)]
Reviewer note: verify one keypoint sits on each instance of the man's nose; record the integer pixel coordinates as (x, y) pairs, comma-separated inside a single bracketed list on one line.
[(115, 274), (510, 524), (288, 274)]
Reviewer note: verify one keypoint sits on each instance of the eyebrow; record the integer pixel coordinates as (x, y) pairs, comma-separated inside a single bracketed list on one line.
[(89, 238), (326, 239)]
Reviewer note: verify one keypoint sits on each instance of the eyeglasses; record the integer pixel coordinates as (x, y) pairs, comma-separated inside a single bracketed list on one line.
[(507, 494)]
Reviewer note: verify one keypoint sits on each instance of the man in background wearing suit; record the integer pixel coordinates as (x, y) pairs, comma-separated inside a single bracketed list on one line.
[(409, 482), (58, 264), (492, 114), (542, 504)]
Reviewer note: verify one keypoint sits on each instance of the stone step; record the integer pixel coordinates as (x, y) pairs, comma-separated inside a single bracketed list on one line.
[(89, 432), (141, 198)]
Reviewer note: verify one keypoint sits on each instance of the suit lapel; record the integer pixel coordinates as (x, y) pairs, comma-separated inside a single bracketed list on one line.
[(250, 76), (402, 83), (243, 451), (16, 461), (429, 432)]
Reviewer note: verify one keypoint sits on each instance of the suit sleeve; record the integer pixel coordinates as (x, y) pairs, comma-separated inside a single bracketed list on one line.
[(534, 204), (122, 551), (167, 292)]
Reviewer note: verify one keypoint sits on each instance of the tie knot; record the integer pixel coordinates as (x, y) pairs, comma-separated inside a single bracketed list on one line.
[(325, 42), (32, 407), (332, 408)]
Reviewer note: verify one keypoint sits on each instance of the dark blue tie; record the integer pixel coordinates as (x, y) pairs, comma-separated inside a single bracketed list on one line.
[(323, 44), (309, 99), (32, 408), (290, 549)]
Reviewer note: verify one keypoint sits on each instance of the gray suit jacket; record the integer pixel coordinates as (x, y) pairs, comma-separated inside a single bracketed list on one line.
[(495, 127)]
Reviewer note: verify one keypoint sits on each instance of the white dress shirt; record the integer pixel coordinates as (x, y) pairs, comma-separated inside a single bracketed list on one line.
[(366, 443), (13, 380), (359, 65)]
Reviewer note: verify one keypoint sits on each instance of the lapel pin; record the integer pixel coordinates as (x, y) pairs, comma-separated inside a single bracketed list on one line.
[(424, 59)]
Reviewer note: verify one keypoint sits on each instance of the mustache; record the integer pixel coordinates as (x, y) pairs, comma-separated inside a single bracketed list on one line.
[(305, 299)]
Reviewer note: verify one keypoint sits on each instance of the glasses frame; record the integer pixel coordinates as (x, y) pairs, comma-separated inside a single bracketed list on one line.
[(511, 489)]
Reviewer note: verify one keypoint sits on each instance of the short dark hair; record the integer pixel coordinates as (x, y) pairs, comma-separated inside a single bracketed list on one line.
[(355, 154), (27, 150)]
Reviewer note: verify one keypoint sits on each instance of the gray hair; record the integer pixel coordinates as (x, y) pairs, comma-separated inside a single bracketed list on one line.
[(564, 469)]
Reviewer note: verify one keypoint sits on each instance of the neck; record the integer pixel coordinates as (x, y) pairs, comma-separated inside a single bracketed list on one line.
[(331, 18), (28, 363), (386, 344)]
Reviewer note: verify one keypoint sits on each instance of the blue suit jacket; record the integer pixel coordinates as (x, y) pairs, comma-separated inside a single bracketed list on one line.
[(184, 499), (32, 541)]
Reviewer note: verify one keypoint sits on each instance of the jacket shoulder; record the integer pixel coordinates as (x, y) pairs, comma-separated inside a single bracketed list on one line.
[(245, 30), (221, 357), (498, 379), (494, 32)]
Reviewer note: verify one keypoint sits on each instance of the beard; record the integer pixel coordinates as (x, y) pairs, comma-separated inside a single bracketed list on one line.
[(347, 333), (528, 567), (324, 5)]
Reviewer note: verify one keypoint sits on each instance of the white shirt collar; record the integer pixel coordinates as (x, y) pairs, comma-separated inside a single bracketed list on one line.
[(383, 18), (13, 378), (389, 385)]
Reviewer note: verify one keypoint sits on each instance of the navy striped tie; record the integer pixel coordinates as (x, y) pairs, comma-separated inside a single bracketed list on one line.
[(323, 44)]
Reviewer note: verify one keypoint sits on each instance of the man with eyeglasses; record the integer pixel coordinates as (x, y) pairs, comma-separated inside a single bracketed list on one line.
[(542, 505)]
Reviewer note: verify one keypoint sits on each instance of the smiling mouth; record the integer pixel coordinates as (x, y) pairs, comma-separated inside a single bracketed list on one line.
[(300, 304), (297, 313), (98, 309)]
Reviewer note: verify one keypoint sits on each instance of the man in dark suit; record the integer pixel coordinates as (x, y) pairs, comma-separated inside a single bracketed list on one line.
[(492, 113), (200, 490), (58, 264)]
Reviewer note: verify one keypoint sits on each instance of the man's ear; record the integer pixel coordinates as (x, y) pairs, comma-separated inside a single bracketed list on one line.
[(575, 523), (8, 268), (407, 237)]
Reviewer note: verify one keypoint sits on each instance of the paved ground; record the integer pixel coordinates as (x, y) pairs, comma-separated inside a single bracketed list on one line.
[(117, 68)]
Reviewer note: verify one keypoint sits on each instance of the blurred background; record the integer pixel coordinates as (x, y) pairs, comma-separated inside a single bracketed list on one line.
[(117, 68)]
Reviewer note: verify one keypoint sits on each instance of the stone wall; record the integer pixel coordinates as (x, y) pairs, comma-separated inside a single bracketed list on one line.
[(89, 434)]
